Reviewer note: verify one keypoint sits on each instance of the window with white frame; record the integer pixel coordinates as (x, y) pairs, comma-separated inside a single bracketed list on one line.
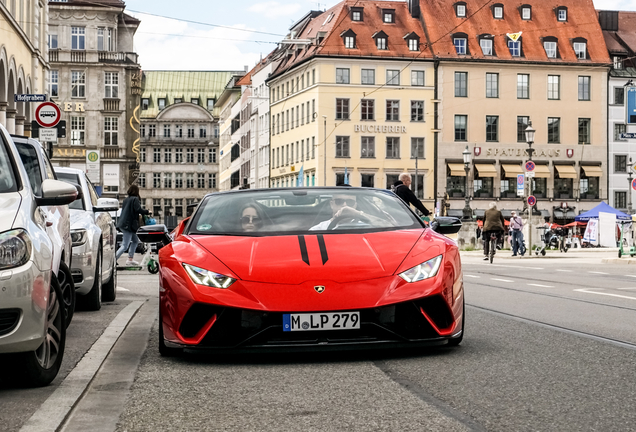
[(342, 109), (492, 85), (212, 181), (460, 45), (111, 128), (190, 131), (78, 38), (200, 155), (167, 155), (142, 155), (156, 155), (486, 46), (562, 14), (550, 49), (350, 42), (190, 181), (417, 78), (417, 111), (111, 84), (78, 84), (167, 183), (417, 148), (161, 103), (367, 147), (380, 43), (178, 155), (580, 49), (53, 38), (166, 131), (156, 183), (342, 146), (367, 109), (152, 131), (178, 180), (190, 155), (413, 44), (392, 77), (460, 10), (212, 155), (388, 16), (554, 87), (203, 131), (342, 75), (523, 86), (526, 13), (210, 104), (178, 131), (514, 48), (393, 110), (142, 180), (497, 12), (368, 76), (393, 148), (78, 130), (54, 77)]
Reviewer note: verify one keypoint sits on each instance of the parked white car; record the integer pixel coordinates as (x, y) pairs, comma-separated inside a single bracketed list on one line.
[(58, 219), (32, 319), (94, 234)]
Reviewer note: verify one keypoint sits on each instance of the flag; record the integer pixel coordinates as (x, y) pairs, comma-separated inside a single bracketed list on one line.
[(300, 177), (514, 36)]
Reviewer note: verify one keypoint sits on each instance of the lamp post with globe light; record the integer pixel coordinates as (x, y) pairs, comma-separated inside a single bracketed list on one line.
[(468, 213), (530, 131)]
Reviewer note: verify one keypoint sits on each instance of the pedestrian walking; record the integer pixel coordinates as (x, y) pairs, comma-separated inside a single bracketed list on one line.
[(516, 233), (402, 188), (128, 224)]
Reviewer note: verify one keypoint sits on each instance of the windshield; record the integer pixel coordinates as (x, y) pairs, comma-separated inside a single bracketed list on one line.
[(7, 177), (73, 179), (298, 211)]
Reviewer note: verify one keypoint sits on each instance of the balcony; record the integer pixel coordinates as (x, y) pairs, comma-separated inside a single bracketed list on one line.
[(111, 152), (78, 56), (111, 104), (54, 55), (117, 57)]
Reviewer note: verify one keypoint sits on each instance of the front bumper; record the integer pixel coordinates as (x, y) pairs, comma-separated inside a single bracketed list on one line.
[(24, 295), (83, 269), (423, 322)]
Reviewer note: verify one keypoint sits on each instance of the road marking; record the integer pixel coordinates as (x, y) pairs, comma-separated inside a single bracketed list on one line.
[(634, 276), (569, 271), (513, 266), (603, 273), (587, 291), (502, 280), (625, 288), (472, 276), (122, 289), (56, 408), (541, 286)]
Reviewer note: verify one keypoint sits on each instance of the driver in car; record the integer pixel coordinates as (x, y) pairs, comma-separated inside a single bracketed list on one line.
[(344, 211)]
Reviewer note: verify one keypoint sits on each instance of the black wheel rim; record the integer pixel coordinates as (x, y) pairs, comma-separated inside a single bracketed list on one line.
[(49, 351)]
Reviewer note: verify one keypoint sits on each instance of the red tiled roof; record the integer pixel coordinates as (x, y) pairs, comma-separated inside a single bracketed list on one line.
[(441, 23), (340, 22), (627, 30), (246, 80)]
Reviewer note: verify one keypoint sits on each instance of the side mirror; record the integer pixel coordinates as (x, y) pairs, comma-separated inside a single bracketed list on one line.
[(446, 225), (55, 192), (154, 234), (80, 193), (106, 205)]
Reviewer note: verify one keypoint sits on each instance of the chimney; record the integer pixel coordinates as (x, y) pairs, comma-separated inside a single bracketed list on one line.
[(247, 68), (414, 8)]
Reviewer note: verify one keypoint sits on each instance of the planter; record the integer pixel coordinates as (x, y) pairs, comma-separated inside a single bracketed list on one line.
[(457, 195)]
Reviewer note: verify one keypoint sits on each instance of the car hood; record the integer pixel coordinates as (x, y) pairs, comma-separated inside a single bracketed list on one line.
[(9, 206), (295, 259)]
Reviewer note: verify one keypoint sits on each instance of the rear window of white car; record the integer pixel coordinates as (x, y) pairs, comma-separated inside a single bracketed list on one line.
[(29, 157), (7, 176), (78, 204)]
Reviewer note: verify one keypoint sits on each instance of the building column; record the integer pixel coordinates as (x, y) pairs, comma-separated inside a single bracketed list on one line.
[(3, 113), (10, 123), (27, 129), (19, 125)]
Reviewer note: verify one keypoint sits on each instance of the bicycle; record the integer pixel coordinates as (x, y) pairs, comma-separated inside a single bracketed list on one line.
[(493, 245)]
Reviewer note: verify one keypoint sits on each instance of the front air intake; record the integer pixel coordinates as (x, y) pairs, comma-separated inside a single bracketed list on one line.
[(9, 319), (436, 308)]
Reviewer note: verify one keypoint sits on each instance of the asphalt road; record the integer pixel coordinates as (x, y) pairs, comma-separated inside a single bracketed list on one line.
[(550, 345)]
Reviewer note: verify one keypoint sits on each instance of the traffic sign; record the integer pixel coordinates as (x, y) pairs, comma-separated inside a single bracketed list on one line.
[(530, 174), (628, 135), (47, 135), (530, 166), (634, 184), (48, 114), (29, 98), (532, 200), (521, 182)]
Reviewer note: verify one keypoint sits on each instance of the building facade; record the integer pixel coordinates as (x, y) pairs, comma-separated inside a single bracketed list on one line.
[(23, 60), (233, 169), (179, 139), (95, 79), (352, 100), (502, 66), (619, 30)]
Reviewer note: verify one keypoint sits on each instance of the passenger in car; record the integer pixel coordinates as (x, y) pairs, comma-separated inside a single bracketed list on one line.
[(344, 209), (250, 218)]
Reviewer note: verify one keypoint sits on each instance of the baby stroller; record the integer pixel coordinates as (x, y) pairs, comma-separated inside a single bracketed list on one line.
[(552, 238)]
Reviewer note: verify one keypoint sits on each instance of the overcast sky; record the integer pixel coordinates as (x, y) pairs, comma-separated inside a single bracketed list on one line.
[(254, 27)]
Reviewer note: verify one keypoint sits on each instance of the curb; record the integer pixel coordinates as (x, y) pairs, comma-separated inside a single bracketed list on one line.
[(618, 261)]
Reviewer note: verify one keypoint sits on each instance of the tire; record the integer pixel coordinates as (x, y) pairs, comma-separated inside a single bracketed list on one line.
[(620, 253), (153, 266), (69, 296), (109, 290), (163, 349), (543, 252), (93, 300), (456, 341), (38, 368)]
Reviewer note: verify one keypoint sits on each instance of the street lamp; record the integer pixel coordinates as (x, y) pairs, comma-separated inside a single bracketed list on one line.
[(468, 213), (530, 131)]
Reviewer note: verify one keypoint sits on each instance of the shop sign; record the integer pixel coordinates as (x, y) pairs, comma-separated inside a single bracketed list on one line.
[(111, 175), (521, 152), (135, 84), (69, 152), (379, 129)]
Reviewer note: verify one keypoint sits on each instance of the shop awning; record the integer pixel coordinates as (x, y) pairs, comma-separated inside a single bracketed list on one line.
[(457, 170), (592, 171), (512, 170), (566, 171), (486, 170), (542, 171)]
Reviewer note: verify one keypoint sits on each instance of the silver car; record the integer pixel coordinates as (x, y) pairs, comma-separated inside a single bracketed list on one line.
[(93, 232), (32, 321)]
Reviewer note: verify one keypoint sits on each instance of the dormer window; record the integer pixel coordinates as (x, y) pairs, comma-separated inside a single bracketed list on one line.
[(498, 11), (526, 12), (460, 40), (349, 39), (550, 46), (356, 14), (460, 10), (515, 47), (388, 15), (580, 48), (486, 42), (618, 62), (413, 41), (381, 40), (562, 13)]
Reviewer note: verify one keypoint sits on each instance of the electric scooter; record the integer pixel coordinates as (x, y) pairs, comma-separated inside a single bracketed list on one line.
[(623, 246)]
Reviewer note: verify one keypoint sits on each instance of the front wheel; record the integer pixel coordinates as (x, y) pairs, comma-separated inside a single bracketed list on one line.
[(93, 300), (620, 253), (153, 267), (456, 341), (69, 297), (109, 290)]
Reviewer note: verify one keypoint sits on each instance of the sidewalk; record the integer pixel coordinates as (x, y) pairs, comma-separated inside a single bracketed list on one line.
[(608, 255)]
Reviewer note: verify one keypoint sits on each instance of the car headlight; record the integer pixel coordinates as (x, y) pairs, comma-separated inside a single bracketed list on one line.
[(15, 248), (208, 278), (78, 237), (422, 271)]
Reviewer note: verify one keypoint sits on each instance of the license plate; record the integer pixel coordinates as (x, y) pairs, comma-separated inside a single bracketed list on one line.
[(321, 321)]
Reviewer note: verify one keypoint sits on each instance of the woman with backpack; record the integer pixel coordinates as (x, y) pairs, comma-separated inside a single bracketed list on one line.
[(128, 224)]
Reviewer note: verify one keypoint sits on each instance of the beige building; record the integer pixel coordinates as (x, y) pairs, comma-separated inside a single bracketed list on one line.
[(353, 94), (509, 65), (233, 170), (23, 60)]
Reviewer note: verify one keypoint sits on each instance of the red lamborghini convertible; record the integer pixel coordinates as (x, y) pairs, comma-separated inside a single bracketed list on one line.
[(307, 268)]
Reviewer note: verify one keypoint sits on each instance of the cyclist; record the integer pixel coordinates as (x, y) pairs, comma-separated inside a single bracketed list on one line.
[(493, 223)]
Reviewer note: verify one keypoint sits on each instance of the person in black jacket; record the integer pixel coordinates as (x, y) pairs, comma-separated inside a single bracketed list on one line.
[(402, 188), (129, 224)]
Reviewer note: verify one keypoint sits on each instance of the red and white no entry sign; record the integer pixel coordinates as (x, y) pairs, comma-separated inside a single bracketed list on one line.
[(48, 114)]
